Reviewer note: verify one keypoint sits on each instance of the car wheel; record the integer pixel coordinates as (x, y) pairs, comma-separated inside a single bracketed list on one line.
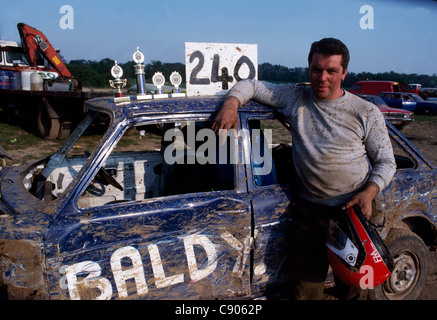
[(426, 111), (47, 127), (410, 272)]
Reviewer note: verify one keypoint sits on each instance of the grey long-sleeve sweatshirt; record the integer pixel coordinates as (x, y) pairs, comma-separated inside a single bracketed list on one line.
[(338, 145)]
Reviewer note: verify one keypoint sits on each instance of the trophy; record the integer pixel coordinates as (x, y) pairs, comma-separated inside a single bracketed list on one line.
[(117, 73), (138, 58), (158, 80), (176, 80)]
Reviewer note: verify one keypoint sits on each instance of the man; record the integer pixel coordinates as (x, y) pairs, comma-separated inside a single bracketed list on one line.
[(341, 152)]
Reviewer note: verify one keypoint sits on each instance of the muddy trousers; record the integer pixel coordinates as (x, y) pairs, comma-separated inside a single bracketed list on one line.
[(309, 257)]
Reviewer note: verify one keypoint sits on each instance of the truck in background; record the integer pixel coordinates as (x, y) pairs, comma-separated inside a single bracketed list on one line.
[(374, 87), (417, 88), (36, 84)]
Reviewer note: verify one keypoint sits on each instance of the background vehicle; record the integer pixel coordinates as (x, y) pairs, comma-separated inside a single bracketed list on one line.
[(122, 221), (397, 117), (36, 84), (409, 101), (416, 88), (412, 88), (374, 87)]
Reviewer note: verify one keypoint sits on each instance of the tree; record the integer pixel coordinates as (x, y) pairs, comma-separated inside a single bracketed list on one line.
[(98, 73)]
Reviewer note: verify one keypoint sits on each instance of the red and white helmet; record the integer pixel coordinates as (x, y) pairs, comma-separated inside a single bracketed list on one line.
[(356, 252)]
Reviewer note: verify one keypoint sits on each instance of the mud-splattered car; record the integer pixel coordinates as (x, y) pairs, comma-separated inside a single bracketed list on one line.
[(159, 209)]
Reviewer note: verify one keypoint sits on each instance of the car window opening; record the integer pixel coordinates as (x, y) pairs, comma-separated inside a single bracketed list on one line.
[(157, 160), (272, 161)]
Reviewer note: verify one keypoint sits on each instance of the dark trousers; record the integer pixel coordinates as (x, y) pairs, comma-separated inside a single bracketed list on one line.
[(310, 262)]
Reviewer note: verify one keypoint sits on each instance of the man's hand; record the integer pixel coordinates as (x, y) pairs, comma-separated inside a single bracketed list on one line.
[(364, 199), (227, 117)]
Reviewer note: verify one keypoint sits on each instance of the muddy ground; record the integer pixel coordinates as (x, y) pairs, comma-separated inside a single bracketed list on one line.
[(423, 135)]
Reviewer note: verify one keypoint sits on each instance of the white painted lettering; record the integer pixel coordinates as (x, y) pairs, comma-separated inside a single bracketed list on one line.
[(78, 287), (83, 280), (243, 251), (122, 274), (161, 280), (375, 254), (201, 240)]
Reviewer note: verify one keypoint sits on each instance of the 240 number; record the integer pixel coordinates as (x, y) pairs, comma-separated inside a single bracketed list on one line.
[(224, 77)]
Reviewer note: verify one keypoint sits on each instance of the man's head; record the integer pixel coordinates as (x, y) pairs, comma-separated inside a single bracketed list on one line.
[(330, 47), (328, 60)]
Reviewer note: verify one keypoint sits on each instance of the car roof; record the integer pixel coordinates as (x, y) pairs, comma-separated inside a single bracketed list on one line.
[(136, 107), (367, 95), (377, 81)]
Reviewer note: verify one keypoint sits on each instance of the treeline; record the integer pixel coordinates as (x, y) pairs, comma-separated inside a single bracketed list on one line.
[(278, 73), (97, 73)]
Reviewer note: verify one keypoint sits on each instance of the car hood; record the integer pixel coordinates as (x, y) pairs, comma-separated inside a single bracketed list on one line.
[(394, 110)]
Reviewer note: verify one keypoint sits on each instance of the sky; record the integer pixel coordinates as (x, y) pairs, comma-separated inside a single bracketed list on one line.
[(391, 35)]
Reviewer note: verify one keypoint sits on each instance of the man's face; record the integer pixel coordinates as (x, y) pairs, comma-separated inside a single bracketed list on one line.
[(326, 74)]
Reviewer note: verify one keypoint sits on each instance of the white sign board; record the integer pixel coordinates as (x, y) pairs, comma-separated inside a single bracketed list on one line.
[(213, 68)]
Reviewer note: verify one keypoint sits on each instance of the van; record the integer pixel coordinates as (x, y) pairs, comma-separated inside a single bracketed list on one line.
[(374, 87)]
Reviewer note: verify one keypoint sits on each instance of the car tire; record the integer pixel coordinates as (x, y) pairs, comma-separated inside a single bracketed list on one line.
[(426, 111), (410, 273), (48, 127)]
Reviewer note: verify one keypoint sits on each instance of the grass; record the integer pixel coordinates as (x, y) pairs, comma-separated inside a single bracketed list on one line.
[(14, 137), (23, 145), (430, 120)]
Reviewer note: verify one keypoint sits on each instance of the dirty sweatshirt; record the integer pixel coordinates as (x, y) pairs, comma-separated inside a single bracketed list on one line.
[(338, 145)]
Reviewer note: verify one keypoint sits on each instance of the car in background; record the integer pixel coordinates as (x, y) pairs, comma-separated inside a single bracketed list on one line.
[(412, 88), (409, 101), (397, 117)]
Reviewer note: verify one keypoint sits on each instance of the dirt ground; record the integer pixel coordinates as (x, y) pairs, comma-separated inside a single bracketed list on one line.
[(423, 135)]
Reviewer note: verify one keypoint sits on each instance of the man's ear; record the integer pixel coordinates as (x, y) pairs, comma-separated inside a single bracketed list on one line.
[(344, 74)]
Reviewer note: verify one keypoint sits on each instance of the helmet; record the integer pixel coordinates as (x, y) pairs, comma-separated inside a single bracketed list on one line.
[(356, 252)]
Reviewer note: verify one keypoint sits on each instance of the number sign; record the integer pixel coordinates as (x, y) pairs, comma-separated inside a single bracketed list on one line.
[(213, 68)]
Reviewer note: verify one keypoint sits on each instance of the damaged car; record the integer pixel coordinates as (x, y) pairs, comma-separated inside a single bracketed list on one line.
[(156, 207)]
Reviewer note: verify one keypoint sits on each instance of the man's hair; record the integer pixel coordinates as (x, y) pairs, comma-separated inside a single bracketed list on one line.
[(330, 47)]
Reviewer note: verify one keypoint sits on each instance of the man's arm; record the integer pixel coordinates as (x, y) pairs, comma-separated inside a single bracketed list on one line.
[(274, 95), (227, 117), (380, 154)]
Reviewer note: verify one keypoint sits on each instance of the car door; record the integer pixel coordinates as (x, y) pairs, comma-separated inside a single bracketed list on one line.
[(408, 103), (394, 100), (269, 177), (171, 245)]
